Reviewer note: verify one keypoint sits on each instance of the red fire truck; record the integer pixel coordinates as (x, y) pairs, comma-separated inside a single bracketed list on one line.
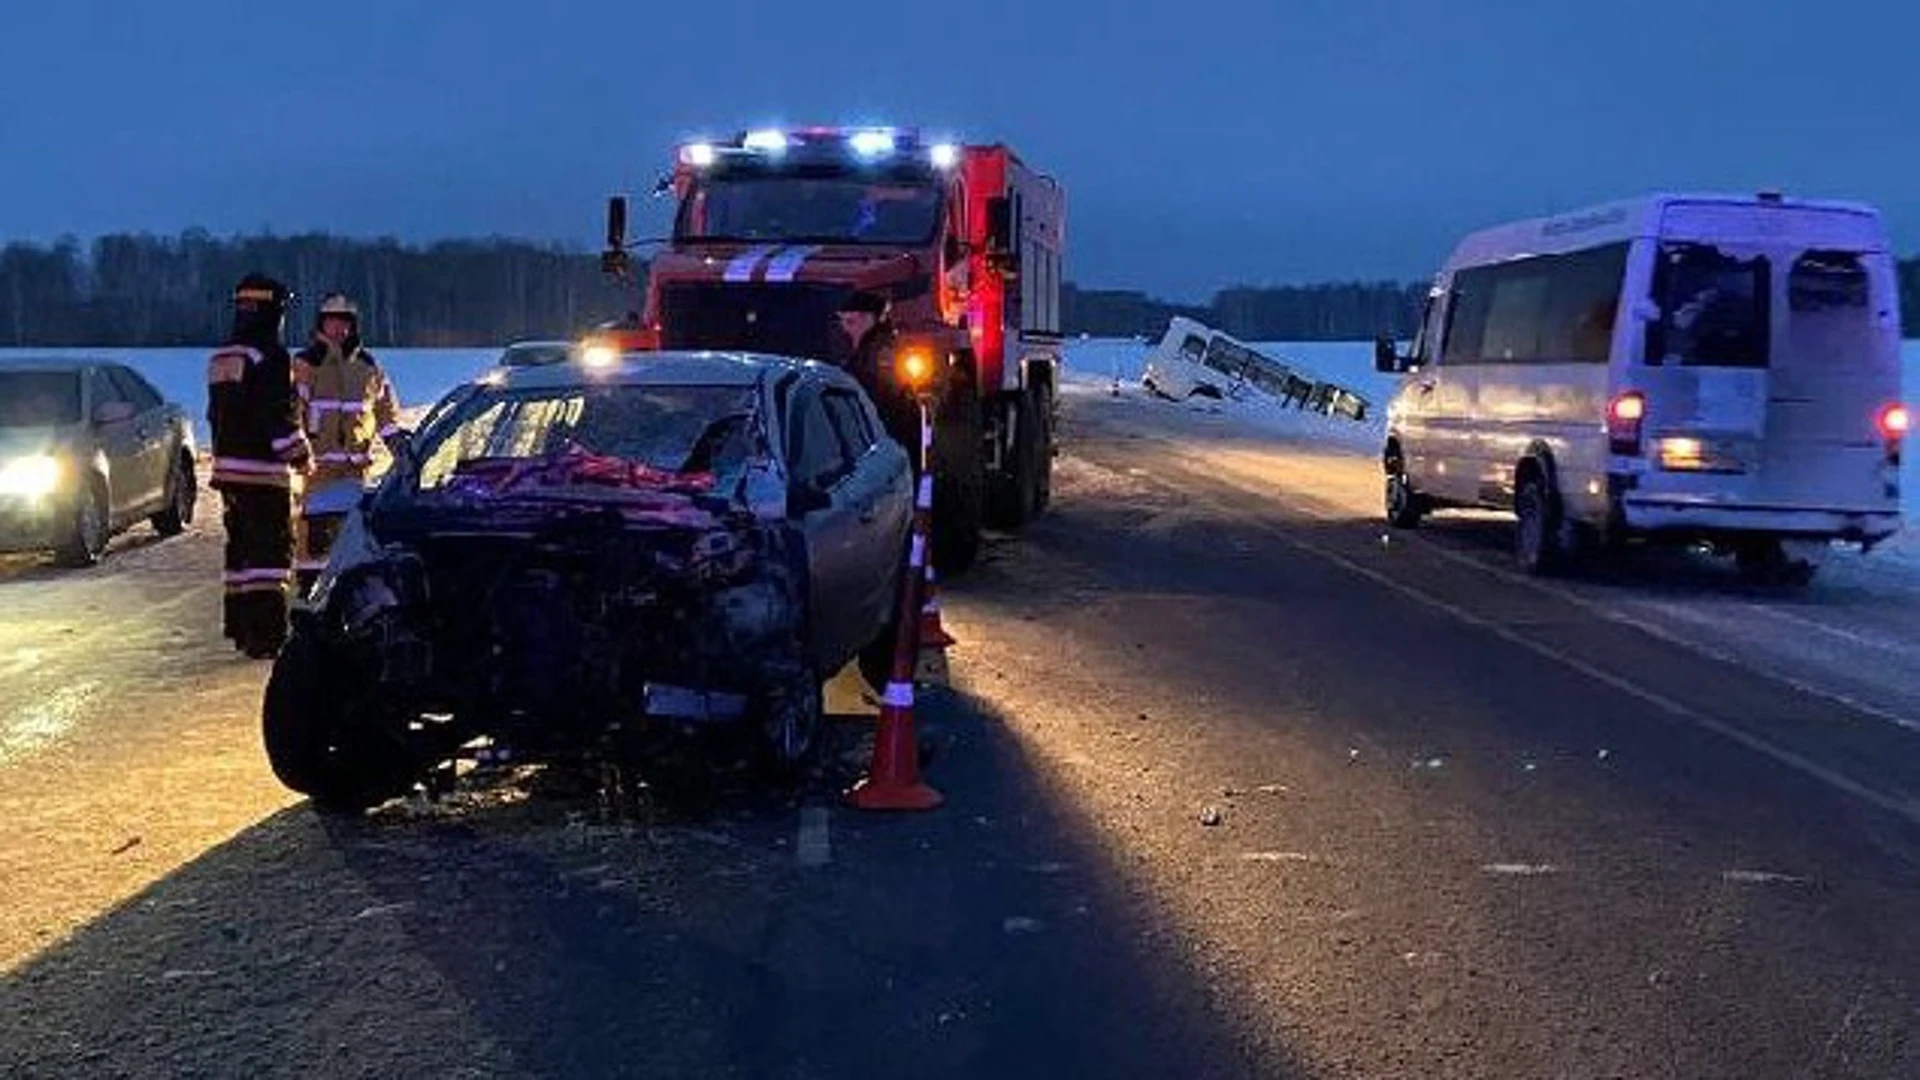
[(921, 266)]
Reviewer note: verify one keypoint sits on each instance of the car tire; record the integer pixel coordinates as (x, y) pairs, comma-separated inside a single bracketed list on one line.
[(87, 539), (183, 492), (304, 724), (792, 724), (959, 498), (1536, 533)]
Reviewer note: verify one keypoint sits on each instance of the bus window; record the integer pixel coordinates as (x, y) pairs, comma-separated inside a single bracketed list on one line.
[(1715, 309)]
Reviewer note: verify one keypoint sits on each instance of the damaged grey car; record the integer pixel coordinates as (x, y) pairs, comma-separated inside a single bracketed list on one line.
[(613, 561)]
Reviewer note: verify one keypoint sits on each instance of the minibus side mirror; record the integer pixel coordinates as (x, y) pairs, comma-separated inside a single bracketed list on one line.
[(1387, 358)]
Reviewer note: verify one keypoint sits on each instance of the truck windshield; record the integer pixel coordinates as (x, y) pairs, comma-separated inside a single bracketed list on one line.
[(38, 398), (1714, 308), (820, 210)]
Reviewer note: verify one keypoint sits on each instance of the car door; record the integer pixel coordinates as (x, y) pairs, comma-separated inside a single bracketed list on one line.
[(116, 433), (154, 432), (820, 463), (880, 489)]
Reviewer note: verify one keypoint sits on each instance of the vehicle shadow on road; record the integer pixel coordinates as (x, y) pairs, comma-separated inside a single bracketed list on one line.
[(526, 936)]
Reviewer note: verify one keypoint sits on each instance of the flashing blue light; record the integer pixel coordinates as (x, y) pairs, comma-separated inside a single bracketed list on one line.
[(944, 155), (870, 144), (699, 155), (768, 141)]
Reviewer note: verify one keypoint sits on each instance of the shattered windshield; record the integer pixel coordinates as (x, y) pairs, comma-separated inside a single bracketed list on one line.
[(824, 210), (1714, 308), (634, 437), (38, 399)]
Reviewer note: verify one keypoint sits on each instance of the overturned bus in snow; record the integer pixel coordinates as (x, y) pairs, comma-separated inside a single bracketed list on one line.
[(599, 560), (1700, 369), (1192, 359)]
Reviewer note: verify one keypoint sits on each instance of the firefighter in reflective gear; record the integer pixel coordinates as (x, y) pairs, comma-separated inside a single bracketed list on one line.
[(349, 404), (259, 450)]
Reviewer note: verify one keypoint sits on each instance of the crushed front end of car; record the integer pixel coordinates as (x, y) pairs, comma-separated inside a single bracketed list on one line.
[(575, 608)]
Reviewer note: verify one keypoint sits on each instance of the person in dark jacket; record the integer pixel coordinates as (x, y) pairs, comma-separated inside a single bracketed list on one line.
[(259, 454)]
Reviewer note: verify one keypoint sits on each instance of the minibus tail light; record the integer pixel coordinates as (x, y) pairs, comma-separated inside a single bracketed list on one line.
[(1625, 415)]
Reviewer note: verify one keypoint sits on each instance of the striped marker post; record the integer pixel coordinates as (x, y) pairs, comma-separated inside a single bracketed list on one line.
[(893, 780)]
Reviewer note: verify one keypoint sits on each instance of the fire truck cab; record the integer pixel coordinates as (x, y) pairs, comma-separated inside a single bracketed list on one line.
[(930, 270)]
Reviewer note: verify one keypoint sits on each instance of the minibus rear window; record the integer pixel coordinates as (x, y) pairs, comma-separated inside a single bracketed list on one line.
[(1826, 281), (1714, 308)]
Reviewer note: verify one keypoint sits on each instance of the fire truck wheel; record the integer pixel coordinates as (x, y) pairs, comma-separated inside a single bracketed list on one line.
[(1043, 426), (959, 487), (1015, 496)]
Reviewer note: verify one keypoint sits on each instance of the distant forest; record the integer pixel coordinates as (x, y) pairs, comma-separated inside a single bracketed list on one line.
[(143, 290)]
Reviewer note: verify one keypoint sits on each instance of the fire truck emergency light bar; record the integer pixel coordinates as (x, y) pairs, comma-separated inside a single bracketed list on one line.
[(867, 144)]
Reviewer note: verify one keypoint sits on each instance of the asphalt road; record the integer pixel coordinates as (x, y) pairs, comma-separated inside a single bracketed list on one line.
[(1235, 787)]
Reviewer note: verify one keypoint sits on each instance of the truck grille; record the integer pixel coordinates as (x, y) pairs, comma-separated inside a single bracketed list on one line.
[(784, 319)]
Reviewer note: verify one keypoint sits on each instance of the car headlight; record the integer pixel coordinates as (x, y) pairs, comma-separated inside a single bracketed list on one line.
[(34, 476)]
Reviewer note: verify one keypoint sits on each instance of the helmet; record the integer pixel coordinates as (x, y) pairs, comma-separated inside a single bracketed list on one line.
[(260, 293), (337, 304)]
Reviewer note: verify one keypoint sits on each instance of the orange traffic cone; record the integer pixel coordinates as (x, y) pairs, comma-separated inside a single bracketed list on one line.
[(893, 782), (932, 634)]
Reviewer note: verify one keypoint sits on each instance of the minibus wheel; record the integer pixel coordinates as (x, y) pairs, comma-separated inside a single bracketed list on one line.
[(1536, 534)]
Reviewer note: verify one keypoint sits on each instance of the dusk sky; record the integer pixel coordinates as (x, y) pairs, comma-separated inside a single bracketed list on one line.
[(1202, 143)]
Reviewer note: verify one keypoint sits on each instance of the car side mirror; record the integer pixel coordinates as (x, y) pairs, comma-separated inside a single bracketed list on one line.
[(804, 498), (1386, 357), (112, 412)]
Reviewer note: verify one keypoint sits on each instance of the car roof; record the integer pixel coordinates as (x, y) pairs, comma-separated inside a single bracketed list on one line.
[(666, 369), (69, 365)]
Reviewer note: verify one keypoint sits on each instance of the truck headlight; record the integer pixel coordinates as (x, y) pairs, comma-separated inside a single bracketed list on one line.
[(34, 476)]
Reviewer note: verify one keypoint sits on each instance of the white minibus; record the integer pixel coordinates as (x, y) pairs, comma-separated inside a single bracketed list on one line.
[(1719, 370)]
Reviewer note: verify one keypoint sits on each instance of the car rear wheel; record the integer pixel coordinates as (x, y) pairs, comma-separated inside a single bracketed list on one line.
[(310, 741), (87, 536), (183, 491)]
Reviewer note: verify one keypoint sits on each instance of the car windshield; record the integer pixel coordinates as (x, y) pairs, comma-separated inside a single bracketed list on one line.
[(652, 437), (38, 398), (826, 210)]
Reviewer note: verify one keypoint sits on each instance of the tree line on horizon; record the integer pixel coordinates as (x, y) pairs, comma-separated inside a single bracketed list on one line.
[(140, 290)]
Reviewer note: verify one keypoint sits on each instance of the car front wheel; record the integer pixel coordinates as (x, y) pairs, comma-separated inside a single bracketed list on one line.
[(87, 536), (313, 745)]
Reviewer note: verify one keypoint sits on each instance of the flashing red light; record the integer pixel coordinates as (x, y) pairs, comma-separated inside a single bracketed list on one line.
[(1894, 422)]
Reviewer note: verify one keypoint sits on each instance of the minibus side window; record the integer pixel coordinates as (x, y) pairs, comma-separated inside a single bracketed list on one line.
[(1467, 315), (1515, 316), (1582, 303), (1715, 309)]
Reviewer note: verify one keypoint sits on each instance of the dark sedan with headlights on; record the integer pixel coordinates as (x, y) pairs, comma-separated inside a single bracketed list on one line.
[(88, 449)]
